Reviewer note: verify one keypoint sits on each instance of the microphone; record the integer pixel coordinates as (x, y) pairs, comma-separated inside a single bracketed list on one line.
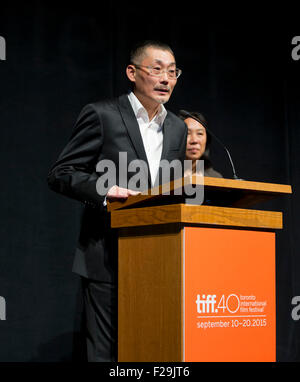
[(189, 115)]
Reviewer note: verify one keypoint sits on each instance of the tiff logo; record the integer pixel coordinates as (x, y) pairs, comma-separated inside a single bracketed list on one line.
[(2, 48), (207, 302), (2, 308)]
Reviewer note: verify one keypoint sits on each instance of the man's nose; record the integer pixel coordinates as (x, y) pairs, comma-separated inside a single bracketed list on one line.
[(164, 77)]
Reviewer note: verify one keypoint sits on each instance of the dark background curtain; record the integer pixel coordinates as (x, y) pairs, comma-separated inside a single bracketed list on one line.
[(237, 70)]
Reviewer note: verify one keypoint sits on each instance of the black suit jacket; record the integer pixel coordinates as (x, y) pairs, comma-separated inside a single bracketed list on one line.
[(102, 130)]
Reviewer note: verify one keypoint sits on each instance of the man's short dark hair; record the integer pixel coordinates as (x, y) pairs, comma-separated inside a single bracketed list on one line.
[(138, 50)]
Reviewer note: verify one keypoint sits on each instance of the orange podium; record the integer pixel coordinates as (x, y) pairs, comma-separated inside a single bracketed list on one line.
[(197, 282)]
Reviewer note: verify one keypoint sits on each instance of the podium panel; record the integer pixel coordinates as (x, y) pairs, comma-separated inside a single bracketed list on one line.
[(150, 294), (229, 295)]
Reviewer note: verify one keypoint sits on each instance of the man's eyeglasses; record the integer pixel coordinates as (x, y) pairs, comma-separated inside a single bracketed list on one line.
[(158, 72)]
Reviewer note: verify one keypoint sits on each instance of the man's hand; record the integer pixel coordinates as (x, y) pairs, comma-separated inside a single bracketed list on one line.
[(119, 193)]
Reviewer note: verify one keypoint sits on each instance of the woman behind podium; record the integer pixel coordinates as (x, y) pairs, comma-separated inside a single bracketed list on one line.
[(198, 143)]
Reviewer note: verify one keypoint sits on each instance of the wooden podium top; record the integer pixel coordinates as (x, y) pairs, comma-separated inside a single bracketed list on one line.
[(200, 215), (217, 191)]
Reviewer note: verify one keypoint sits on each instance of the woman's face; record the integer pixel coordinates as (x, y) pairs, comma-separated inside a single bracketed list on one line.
[(196, 139)]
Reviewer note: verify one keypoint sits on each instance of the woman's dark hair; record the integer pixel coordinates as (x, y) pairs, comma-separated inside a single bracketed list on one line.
[(200, 117)]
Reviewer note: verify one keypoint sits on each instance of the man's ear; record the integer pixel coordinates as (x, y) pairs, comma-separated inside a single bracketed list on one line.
[(130, 71)]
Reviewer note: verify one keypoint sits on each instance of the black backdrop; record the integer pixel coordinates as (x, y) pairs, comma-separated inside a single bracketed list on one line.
[(237, 70)]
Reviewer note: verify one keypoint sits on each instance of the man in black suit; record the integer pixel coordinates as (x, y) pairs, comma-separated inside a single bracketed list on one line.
[(135, 124)]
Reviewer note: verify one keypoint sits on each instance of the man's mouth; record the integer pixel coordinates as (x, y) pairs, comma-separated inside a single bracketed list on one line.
[(162, 90)]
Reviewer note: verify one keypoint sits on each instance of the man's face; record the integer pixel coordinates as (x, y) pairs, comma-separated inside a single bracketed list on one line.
[(148, 87)]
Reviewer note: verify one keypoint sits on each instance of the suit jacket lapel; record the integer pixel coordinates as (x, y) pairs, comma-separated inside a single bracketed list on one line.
[(133, 129), (167, 131), (166, 137)]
